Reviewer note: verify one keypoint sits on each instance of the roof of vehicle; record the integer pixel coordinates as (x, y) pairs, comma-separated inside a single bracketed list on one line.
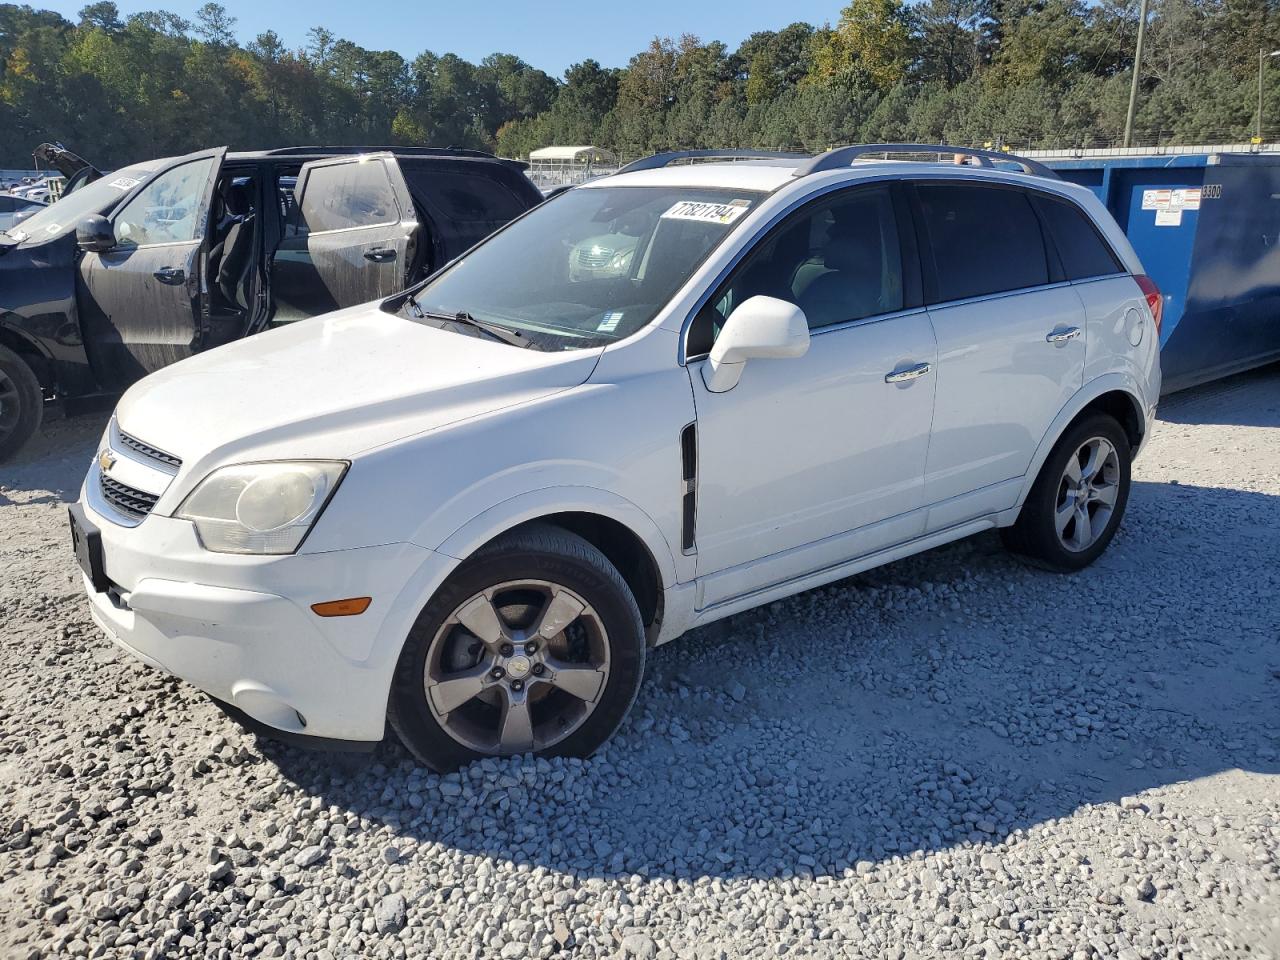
[(769, 171), (769, 175), (318, 152)]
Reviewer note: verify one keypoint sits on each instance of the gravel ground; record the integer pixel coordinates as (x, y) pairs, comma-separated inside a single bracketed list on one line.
[(953, 755)]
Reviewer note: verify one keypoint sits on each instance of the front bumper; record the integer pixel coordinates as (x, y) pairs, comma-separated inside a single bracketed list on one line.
[(241, 628)]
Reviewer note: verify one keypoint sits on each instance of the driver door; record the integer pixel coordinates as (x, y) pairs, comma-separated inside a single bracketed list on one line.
[(809, 462), (142, 302), (351, 237)]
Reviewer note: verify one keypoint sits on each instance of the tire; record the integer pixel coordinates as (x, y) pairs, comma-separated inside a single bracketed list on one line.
[(21, 403), (1035, 536), (576, 685)]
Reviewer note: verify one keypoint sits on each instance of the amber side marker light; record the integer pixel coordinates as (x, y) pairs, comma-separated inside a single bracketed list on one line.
[(351, 607)]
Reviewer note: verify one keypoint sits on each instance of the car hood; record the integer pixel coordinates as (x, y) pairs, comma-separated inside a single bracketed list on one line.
[(332, 387), (63, 160)]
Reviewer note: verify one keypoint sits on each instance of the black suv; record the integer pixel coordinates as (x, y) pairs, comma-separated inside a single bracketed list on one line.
[(141, 267)]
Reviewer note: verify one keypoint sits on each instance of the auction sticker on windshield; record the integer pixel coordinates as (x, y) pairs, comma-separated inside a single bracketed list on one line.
[(124, 183), (707, 212)]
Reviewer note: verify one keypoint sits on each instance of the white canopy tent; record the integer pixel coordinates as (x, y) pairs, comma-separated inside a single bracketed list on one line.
[(551, 167)]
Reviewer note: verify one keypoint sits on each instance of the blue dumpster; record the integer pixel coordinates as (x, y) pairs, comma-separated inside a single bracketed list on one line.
[(1207, 227)]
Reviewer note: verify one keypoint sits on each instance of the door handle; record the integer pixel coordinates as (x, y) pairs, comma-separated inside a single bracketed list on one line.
[(909, 373), (173, 275), (380, 255), (1062, 336)]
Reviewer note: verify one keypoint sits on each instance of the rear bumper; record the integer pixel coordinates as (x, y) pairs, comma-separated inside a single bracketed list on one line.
[(241, 628)]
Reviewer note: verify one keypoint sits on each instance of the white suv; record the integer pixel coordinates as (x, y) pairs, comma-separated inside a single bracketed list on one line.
[(470, 509)]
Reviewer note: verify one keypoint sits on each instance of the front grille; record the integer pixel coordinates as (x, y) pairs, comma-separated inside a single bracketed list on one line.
[(594, 257), (128, 500), (148, 451)]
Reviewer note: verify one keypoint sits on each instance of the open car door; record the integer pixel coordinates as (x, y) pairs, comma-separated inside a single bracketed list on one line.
[(351, 236), (142, 302)]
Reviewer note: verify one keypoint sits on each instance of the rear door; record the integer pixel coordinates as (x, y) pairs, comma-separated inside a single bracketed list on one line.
[(351, 237), (142, 302), (1011, 343)]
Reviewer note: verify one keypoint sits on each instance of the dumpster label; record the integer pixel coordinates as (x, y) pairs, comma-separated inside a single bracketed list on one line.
[(1187, 198), (1169, 217)]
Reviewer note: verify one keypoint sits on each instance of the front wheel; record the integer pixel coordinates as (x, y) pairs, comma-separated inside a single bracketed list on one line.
[(21, 403), (533, 645), (1075, 505)]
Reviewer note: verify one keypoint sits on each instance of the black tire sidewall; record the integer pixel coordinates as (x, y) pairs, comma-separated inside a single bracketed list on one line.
[(30, 399), (1036, 535), (588, 574)]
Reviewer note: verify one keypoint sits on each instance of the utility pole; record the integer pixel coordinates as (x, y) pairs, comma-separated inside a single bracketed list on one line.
[(1137, 74), (1263, 56), (1261, 61)]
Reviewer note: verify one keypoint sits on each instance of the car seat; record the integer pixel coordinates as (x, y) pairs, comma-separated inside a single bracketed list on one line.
[(230, 258), (852, 287)]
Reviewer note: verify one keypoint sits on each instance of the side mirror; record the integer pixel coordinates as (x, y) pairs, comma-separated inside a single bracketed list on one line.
[(95, 234), (760, 328)]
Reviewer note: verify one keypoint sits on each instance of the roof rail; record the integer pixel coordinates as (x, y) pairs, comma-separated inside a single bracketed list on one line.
[(348, 148), (659, 160), (843, 156)]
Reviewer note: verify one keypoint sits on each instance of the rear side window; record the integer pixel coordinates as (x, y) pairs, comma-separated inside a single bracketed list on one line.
[(460, 197), (1083, 252), (346, 195), (984, 239)]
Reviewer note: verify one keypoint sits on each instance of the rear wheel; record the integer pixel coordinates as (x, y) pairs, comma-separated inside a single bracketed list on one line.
[(533, 645), (1077, 501), (21, 403)]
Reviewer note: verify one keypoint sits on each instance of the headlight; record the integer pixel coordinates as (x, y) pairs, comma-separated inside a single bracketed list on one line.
[(260, 507)]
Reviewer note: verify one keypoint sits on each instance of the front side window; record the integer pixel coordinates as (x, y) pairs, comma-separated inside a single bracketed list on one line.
[(589, 267), (62, 217), (838, 260), (984, 239), (346, 195), (167, 209)]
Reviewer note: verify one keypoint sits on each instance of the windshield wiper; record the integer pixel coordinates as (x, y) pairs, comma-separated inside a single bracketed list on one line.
[(493, 330)]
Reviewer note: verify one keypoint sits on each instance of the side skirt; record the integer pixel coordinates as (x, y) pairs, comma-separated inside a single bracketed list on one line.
[(756, 598)]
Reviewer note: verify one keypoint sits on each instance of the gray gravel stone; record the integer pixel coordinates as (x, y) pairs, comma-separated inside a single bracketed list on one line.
[(309, 856), (390, 913)]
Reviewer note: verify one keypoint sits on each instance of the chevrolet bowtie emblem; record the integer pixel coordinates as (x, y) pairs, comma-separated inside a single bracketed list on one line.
[(106, 460)]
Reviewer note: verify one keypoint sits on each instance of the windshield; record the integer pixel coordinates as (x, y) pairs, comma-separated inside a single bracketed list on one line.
[(588, 267), (62, 217)]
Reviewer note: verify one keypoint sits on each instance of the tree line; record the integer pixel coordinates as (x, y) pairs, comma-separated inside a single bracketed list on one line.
[(1015, 72)]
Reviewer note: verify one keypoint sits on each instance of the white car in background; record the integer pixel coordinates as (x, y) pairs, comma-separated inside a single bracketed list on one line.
[(470, 509)]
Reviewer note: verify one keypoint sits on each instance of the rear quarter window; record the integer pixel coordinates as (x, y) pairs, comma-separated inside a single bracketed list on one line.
[(984, 239), (1083, 251)]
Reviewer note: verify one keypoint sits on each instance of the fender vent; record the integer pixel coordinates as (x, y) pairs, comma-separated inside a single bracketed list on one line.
[(689, 475)]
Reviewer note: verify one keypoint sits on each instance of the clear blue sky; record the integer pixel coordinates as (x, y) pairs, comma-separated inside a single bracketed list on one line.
[(550, 34)]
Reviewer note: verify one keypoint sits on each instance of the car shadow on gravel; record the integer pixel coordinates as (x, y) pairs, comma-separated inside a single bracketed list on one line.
[(1219, 402), (51, 467), (953, 698)]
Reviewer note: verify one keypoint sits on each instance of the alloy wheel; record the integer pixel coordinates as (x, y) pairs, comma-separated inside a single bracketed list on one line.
[(517, 667), (1087, 494)]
